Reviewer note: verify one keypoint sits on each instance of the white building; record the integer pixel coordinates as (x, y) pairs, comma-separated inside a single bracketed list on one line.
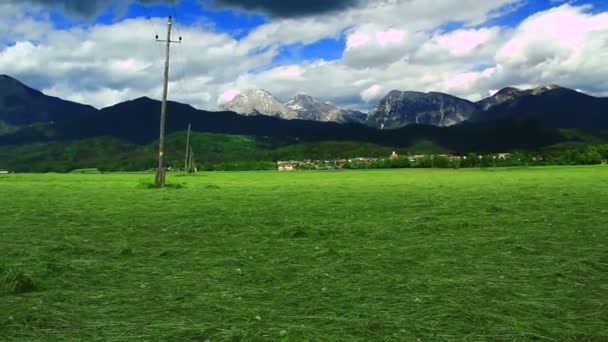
[(286, 166)]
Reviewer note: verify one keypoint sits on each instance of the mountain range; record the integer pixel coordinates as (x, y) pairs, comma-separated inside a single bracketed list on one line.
[(553, 105), (508, 120), (301, 107), (44, 133)]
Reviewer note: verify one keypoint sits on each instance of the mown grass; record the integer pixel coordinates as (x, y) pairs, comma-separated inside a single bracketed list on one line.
[(393, 255)]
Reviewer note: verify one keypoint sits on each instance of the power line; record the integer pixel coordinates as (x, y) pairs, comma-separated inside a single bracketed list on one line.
[(180, 59), (175, 17)]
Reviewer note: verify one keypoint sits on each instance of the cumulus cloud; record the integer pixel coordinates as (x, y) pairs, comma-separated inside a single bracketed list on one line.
[(465, 41), (388, 45), (372, 46), (371, 93), (227, 96), (105, 64), (378, 19), (566, 45)]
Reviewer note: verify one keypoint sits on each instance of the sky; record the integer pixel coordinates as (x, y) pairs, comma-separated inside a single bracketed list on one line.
[(349, 52)]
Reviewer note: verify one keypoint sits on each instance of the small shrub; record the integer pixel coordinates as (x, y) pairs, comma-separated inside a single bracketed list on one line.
[(126, 250), (16, 281)]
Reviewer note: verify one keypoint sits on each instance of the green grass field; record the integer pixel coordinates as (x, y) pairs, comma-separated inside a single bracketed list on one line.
[(390, 255)]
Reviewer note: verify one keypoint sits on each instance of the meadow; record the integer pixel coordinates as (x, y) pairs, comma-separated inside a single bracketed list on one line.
[(511, 254)]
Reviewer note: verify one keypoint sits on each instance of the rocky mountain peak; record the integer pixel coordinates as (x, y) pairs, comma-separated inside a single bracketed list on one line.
[(401, 108), (502, 96), (509, 90), (304, 96), (510, 94), (258, 92), (258, 102), (544, 89), (310, 108)]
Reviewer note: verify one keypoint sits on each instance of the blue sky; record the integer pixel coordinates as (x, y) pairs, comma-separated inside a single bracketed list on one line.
[(186, 13), (350, 52), (238, 23)]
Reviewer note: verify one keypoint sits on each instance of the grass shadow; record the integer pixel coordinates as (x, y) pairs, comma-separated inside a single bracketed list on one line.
[(152, 186), (16, 281)]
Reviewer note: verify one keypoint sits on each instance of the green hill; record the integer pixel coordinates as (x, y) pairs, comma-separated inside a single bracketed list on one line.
[(233, 152), (212, 152)]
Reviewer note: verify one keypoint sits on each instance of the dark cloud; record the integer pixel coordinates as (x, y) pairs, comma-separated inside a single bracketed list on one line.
[(273, 8), (288, 8), (86, 8)]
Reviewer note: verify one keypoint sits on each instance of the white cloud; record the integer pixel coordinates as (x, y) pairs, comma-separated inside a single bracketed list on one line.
[(462, 80), (357, 40), (389, 45), (567, 45), (104, 64), (392, 36), (228, 95), (465, 41), (371, 93)]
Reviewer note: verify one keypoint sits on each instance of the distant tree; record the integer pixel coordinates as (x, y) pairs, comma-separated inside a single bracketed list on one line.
[(485, 160), (400, 162), (470, 160), (589, 157), (425, 162), (441, 162)]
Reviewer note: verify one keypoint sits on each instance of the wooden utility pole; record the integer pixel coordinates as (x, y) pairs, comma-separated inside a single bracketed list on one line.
[(160, 172), (191, 162), (186, 165)]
